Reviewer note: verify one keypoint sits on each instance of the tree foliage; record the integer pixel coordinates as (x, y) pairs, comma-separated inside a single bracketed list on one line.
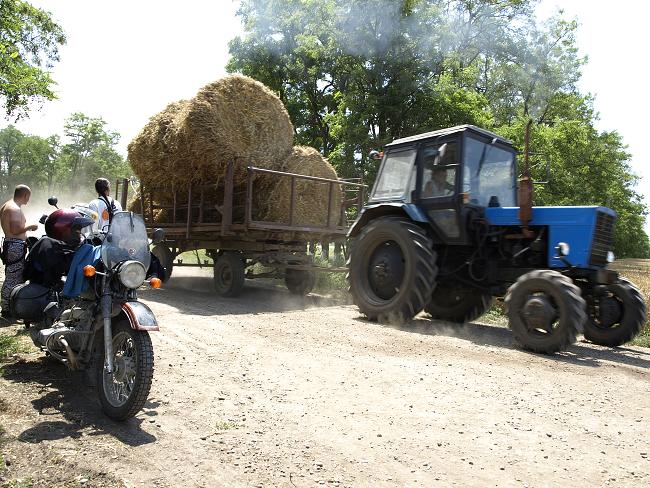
[(29, 42), (86, 151), (356, 74)]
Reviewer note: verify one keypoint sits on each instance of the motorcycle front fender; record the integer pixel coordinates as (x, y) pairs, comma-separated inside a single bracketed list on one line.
[(140, 316)]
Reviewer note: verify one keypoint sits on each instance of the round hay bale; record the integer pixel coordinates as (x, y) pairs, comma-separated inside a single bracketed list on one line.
[(150, 153), (312, 197), (235, 119)]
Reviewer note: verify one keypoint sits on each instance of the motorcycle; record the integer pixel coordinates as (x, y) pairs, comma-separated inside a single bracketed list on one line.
[(100, 327)]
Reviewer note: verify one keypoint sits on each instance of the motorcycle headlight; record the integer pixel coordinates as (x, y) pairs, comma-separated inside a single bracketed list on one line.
[(132, 274)]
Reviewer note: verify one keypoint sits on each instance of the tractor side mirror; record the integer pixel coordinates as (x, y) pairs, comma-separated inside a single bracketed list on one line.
[(158, 236), (440, 153), (53, 201)]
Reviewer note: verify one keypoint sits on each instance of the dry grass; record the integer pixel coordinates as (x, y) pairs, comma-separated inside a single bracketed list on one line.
[(638, 272)]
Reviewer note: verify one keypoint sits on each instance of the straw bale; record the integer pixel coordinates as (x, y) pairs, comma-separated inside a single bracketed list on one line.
[(235, 119), (150, 153), (312, 197)]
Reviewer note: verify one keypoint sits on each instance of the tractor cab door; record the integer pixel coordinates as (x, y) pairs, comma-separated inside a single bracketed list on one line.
[(437, 186)]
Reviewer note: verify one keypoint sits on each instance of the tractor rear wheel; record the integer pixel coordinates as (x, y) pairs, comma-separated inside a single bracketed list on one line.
[(457, 302), (392, 270), (545, 311), (616, 314), (229, 274)]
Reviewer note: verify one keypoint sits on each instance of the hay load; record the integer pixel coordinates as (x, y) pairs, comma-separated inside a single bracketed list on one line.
[(312, 197), (234, 119), (150, 153)]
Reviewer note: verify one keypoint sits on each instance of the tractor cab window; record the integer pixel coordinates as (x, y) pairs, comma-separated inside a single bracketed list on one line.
[(489, 174), (439, 170), (395, 174)]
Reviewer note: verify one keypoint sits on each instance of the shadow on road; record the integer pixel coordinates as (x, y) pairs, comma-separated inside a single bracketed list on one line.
[(63, 394), (581, 353)]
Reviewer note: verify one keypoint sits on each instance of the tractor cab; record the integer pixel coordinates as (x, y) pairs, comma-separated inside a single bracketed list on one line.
[(446, 172)]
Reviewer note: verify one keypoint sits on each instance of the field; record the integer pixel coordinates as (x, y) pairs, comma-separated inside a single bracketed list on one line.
[(637, 271)]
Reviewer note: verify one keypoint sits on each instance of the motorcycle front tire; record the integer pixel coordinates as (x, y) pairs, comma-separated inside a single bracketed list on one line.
[(124, 392)]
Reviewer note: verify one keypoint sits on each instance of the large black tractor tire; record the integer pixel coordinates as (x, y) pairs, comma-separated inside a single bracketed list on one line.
[(456, 302), (123, 393), (545, 310), (392, 270), (166, 258), (229, 274), (616, 314), (299, 281)]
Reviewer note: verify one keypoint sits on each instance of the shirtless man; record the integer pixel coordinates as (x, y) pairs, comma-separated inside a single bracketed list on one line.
[(13, 246)]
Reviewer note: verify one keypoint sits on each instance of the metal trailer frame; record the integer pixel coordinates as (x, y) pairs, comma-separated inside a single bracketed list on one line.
[(277, 245)]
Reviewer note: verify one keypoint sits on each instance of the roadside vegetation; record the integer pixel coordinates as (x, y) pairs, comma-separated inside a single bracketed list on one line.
[(638, 271)]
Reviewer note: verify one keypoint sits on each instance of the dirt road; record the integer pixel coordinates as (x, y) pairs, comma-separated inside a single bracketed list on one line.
[(272, 390)]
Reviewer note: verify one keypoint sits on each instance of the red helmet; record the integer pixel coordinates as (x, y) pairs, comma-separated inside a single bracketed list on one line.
[(60, 223)]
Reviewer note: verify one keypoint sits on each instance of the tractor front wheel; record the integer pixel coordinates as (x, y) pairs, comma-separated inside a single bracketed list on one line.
[(616, 314), (392, 270), (545, 311)]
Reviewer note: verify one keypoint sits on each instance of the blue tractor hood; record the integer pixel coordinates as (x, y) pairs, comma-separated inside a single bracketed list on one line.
[(587, 230)]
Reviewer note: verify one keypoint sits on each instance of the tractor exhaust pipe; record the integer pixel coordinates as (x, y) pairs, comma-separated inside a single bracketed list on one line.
[(525, 191)]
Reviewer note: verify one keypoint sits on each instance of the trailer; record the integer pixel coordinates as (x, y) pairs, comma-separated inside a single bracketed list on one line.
[(236, 240)]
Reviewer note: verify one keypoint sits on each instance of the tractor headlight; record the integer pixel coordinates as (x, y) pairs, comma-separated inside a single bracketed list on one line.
[(610, 257), (562, 249), (132, 274)]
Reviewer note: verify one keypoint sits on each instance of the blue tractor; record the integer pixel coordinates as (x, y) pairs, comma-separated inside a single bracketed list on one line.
[(447, 228)]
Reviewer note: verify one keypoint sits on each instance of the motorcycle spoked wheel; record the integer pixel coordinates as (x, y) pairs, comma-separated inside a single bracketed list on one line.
[(124, 392)]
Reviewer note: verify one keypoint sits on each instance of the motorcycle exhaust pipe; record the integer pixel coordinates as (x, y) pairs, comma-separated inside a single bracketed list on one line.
[(72, 357)]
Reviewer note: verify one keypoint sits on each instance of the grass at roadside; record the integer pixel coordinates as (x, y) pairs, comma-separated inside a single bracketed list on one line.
[(10, 345)]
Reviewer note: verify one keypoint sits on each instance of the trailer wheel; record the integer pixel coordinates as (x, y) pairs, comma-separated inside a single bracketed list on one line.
[(392, 269), (457, 302), (616, 314), (166, 258), (229, 274), (545, 311), (300, 281)]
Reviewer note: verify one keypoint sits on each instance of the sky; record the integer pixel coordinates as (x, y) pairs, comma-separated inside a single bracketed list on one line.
[(126, 60)]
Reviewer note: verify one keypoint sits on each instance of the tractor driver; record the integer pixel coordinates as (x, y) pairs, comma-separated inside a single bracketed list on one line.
[(438, 186)]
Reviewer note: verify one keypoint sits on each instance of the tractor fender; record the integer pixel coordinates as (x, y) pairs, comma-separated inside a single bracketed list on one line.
[(140, 316), (371, 212)]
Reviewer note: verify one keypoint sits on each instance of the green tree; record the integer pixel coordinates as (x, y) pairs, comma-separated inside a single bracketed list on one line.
[(36, 161), (90, 151), (29, 42), (9, 139), (356, 74)]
